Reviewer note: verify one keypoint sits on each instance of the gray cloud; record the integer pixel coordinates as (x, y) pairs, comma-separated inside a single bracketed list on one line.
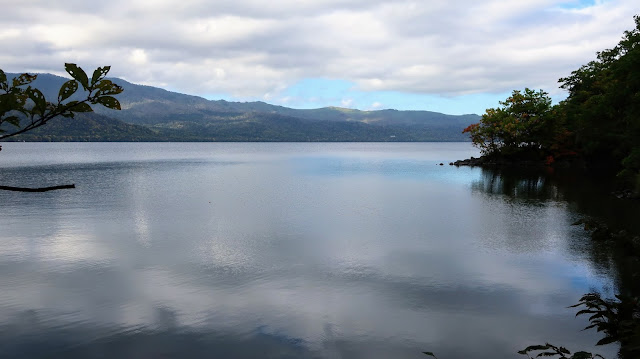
[(248, 49)]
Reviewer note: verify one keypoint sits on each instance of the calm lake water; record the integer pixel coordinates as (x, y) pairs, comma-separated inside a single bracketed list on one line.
[(283, 250)]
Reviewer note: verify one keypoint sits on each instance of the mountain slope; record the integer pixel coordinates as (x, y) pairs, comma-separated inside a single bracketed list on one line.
[(167, 115), (88, 127)]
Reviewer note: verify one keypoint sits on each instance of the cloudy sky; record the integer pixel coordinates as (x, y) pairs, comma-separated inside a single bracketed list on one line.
[(455, 56)]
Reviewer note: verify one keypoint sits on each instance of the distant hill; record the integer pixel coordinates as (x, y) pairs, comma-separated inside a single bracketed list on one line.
[(154, 114), (88, 127)]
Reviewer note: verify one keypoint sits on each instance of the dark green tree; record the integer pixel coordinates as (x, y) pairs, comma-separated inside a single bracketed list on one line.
[(603, 105), (524, 125)]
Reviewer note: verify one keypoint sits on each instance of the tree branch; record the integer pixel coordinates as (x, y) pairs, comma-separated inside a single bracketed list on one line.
[(44, 119), (41, 189)]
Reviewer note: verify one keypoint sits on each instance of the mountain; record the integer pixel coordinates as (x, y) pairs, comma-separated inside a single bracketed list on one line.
[(154, 114), (88, 127)]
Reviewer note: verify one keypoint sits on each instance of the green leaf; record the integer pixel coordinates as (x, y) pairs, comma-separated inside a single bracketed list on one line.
[(536, 347), (81, 107), (582, 355), (9, 102), (77, 73), (109, 102), (20, 101), (99, 74), (106, 87), (14, 120), (38, 98), (548, 354), (23, 79), (606, 340), (3, 80), (585, 311), (67, 89)]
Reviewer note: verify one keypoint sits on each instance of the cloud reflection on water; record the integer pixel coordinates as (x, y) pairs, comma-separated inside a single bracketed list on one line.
[(343, 255)]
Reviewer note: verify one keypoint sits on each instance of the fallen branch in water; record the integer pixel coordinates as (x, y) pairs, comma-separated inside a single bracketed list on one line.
[(42, 189)]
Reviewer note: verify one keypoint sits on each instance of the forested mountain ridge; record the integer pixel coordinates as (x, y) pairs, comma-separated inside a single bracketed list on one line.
[(154, 114)]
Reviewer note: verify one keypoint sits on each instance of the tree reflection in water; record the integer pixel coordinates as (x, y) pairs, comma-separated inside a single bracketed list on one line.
[(615, 253)]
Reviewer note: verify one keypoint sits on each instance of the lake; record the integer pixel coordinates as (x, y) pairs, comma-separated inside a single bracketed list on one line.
[(284, 250)]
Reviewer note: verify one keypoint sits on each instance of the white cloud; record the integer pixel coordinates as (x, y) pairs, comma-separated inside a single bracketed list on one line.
[(138, 57), (245, 48), (376, 105), (346, 102)]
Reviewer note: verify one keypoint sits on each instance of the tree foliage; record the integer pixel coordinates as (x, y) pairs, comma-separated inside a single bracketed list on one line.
[(550, 350), (599, 120), (603, 106), (24, 108), (618, 319), (525, 123)]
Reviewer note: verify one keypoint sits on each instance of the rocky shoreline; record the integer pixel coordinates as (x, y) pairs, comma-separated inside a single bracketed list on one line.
[(506, 162)]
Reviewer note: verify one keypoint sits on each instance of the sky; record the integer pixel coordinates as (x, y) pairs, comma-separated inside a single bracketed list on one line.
[(451, 56)]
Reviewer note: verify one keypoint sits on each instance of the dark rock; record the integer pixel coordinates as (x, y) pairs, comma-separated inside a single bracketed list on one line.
[(470, 162), (498, 161)]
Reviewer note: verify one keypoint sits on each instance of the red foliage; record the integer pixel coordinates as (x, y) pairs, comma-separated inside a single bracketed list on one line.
[(471, 128)]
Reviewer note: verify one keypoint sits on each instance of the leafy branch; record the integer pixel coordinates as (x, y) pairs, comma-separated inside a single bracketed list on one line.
[(549, 350), (618, 319), (27, 108)]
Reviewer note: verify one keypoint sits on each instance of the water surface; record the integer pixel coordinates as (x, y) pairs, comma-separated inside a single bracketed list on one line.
[(251, 250)]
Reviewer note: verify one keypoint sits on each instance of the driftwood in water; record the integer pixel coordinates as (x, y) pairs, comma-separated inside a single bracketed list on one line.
[(42, 189)]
